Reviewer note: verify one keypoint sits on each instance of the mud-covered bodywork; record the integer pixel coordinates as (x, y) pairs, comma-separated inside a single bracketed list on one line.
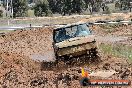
[(73, 40)]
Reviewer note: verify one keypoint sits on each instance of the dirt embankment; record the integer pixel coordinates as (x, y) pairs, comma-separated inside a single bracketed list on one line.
[(33, 43), (17, 68)]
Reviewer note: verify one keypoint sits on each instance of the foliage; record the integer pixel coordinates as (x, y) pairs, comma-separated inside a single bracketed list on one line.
[(125, 4), (66, 6), (117, 5), (42, 8), (107, 10), (74, 6), (20, 8), (30, 13)]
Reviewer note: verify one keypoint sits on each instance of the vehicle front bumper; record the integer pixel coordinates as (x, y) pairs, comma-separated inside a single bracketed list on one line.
[(76, 50)]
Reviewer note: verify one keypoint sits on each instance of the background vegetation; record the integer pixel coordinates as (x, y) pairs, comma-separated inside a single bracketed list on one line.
[(66, 7)]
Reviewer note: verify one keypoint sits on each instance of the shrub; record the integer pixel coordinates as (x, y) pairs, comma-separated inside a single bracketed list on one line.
[(107, 10), (1, 13), (42, 9)]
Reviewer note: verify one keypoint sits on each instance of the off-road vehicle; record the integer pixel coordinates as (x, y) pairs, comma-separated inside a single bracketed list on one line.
[(74, 40)]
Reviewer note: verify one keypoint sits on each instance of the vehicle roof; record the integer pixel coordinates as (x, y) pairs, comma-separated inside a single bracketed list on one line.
[(68, 25)]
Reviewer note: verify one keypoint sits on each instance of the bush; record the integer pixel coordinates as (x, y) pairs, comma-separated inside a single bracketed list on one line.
[(107, 10), (20, 8), (1, 13), (42, 9)]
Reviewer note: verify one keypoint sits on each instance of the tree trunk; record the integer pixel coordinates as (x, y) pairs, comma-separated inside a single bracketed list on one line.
[(130, 9)]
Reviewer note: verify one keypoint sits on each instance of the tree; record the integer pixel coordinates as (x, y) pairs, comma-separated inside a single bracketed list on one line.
[(47, 7), (117, 5), (107, 10), (97, 5), (66, 7), (125, 4), (42, 8), (94, 5), (77, 6), (55, 6), (1, 13), (20, 8)]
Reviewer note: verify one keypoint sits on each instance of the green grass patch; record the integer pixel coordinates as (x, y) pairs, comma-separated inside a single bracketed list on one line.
[(5, 31), (111, 6), (31, 13), (117, 50)]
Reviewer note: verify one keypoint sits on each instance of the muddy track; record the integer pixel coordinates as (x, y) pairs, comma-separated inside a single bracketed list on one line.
[(21, 49)]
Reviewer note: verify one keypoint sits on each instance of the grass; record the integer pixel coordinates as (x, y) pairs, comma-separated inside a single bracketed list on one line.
[(31, 13), (5, 31), (111, 6), (117, 50)]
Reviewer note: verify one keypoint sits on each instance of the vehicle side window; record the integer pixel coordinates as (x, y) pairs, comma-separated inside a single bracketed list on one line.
[(70, 31), (59, 35), (74, 30), (62, 34)]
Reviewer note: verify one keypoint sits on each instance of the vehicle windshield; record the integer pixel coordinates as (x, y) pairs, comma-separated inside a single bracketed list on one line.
[(71, 32)]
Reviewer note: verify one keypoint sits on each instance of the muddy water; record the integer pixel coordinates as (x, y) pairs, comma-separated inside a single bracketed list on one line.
[(47, 56)]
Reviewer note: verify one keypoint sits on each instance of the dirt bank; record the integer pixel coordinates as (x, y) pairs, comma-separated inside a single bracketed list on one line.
[(32, 43)]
